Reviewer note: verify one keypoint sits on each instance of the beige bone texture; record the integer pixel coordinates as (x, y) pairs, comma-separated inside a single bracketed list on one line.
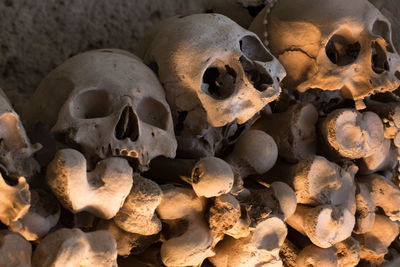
[(255, 152), (189, 245), (16, 151), (293, 130), (16, 200), (279, 197), (384, 193), (318, 181), (365, 214), (72, 247), (229, 77), (14, 250), (260, 247), (353, 134), (313, 256), (109, 104), (137, 215), (324, 225), (240, 11), (127, 243), (42, 215), (374, 244), (332, 46), (348, 252), (101, 192), (384, 159), (224, 213), (211, 177)]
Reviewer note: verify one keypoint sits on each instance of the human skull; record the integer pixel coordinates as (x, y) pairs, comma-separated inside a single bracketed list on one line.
[(114, 106), (214, 72), (16, 151), (332, 45)]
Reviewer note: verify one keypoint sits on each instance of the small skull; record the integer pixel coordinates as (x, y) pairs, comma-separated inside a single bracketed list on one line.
[(16, 151), (332, 45), (215, 74), (114, 106)]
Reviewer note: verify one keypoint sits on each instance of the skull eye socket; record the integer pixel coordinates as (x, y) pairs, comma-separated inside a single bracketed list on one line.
[(253, 49), (153, 112), (381, 28), (342, 51), (258, 77), (91, 104), (219, 81)]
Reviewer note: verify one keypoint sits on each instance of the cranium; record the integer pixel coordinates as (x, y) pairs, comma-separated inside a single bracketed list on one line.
[(114, 105), (16, 151), (332, 45), (215, 74)]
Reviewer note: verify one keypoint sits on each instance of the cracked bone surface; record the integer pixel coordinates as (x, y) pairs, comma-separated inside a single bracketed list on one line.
[(137, 215), (324, 225), (293, 130), (260, 247), (353, 134), (72, 247), (101, 191), (229, 79), (189, 241), (16, 151), (14, 250), (331, 45)]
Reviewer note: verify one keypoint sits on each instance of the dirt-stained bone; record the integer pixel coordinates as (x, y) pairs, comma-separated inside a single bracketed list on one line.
[(313, 256), (332, 46), (14, 250), (324, 225), (232, 77), (374, 244), (261, 247), (318, 181), (107, 103), (42, 215), (255, 152), (137, 215), (352, 134), (16, 200), (190, 242), (293, 130), (365, 213), (384, 194), (16, 151), (72, 247), (101, 192)]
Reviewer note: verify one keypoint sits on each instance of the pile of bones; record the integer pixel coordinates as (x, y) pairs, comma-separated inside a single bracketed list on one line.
[(219, 146)]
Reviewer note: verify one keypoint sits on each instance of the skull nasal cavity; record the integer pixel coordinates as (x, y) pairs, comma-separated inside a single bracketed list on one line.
[(127, 126), (341, 51), (379, 61), (219, 82)]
